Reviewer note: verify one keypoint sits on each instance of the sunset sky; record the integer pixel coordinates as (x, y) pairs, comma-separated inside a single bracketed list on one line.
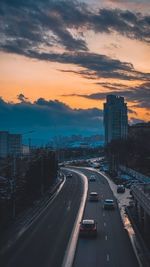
[(59, 60)]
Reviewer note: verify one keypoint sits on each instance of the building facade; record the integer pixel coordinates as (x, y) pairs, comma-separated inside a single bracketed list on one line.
[(10, 144), (115, 119), (139, 129), (4, 144)]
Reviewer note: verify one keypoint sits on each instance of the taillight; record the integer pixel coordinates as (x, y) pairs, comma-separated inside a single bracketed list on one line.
[(94, 228), (81, 228)]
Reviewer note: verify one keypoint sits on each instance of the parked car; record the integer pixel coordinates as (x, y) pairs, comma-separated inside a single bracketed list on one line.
[(131, 182), (93, 196), (88, 228), (120, 188), (92, 178), (109, 204)]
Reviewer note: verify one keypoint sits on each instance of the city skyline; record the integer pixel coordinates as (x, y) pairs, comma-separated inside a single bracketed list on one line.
[(65, 57)]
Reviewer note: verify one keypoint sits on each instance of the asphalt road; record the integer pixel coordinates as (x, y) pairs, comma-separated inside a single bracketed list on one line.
[(112, 246), (45, 242)]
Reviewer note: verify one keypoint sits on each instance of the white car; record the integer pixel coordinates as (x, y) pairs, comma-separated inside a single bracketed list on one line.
[(109, 204), (93, 196)]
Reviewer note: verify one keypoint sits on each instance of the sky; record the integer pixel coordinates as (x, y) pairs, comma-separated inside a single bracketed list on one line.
[(60, 59)]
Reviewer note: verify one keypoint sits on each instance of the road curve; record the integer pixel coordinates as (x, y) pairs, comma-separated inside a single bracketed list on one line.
[(112, 246)]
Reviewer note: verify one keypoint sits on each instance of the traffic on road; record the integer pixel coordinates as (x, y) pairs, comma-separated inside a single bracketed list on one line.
[(110, 246), (102, 239)]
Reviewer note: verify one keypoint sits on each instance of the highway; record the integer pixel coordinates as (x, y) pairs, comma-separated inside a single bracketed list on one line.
[(112, 246), (45, 242)]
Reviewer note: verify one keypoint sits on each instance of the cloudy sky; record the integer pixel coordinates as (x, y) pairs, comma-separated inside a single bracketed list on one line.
[(59, 60)]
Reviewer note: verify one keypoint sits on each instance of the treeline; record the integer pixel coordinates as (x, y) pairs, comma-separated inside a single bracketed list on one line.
[(133, 153), (33, 178), (79, 152), (41, 175)]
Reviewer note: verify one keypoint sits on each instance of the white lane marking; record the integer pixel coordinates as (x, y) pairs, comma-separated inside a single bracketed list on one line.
[(108, 258), (72, 244), (103, 214), (104, 224), (69, 205), (106, 237)]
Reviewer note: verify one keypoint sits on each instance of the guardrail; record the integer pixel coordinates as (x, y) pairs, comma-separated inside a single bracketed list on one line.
[(141, 197)]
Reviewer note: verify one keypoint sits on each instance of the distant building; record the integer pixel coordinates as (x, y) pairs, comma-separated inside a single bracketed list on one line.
[(25, 150), (139, 129), (10, 144), (4, 147), (15, 144), (115, 118)]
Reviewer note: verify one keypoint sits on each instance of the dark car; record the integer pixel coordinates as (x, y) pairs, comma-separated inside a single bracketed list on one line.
[(93, 196), (92, 178), (109, 204), (120, 189), (88, 228), (69, 175)]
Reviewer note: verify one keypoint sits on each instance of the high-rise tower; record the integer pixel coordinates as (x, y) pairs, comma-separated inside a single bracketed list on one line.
[(115, 118)]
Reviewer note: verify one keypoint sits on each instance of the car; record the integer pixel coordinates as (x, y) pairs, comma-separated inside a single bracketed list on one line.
[(93, 196), (120, 188), (109, 204), (88, 228), (130, 183), (92, 178), (69, 175)]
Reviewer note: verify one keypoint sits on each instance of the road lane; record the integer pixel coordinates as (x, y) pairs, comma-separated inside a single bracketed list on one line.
[(44, 243), (112, 246)]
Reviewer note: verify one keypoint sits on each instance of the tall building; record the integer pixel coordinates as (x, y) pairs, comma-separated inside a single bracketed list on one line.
[(10, 144), (4, 144), (15, 144), (115, 118)]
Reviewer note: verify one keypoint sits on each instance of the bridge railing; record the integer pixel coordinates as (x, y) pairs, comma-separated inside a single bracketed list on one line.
[(139, 192)]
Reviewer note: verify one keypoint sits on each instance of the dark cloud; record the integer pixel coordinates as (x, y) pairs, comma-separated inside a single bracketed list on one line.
[(34, 28), (49, 118), (134, 121), (131, 111), (34, 20), (113, 86), (40, 23), (134, 26), (22, 98), (94, 65), (139, 95), (131, 1)]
